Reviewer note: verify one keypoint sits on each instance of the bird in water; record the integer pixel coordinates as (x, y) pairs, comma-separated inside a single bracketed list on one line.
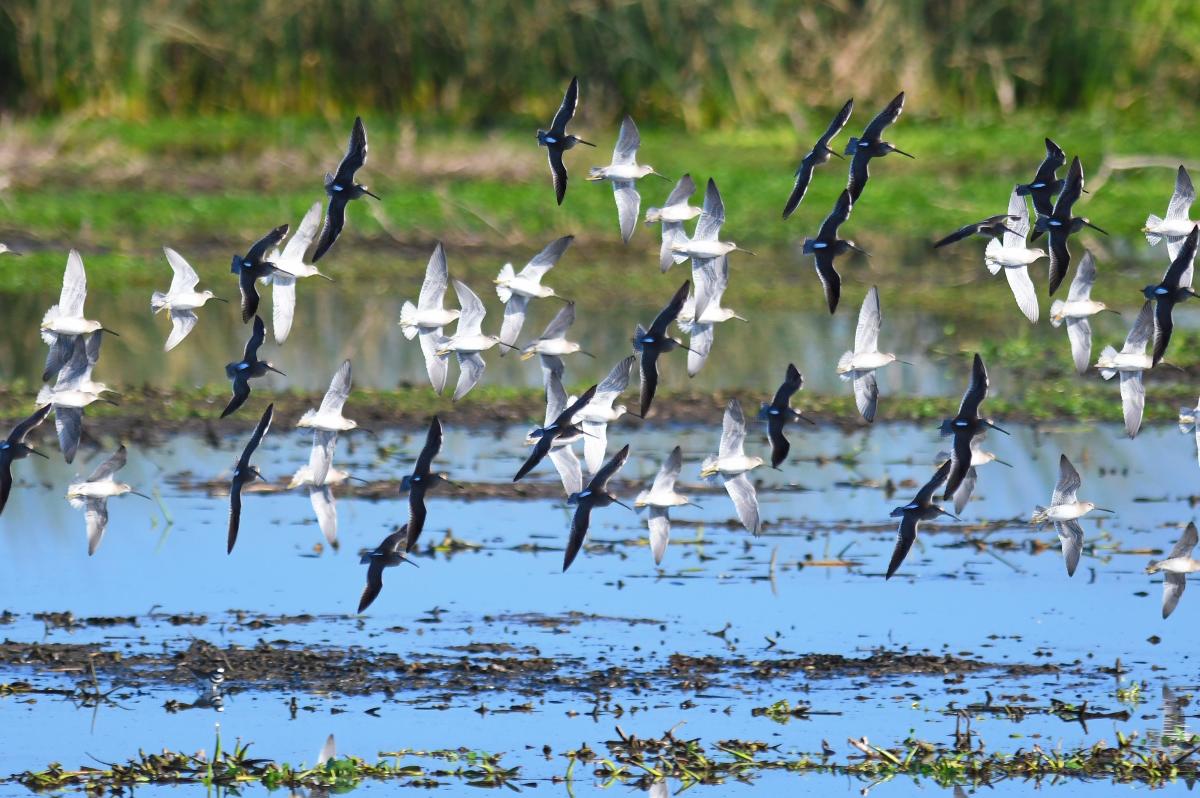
[(181, 300), (1045, 184), (92, 495), (708, 288), (674, 212), (1175, 287), (418, 483), (560, 428), (249, 367), (871, 145), (827, 246), (732, 465), (388, 553), (779, 412), (1175, 568), (426, 318), (254, 266), (921, 508), (594, 495), (818, 155), (660, 498), (1076, 310), (992, 227), (1064, 512), (978, 458), (561, 455), (290, 267), (74, 390), (556, 140), (705, 247), (64, 322), (1061, 224), (14, 448), (468, 341), (1130, 362), (1176, 226), (623, 173), (859, 364), (649, 344), (1010, 253), (966, 425), (243, 473), (327, 421), (516, 289), (341, 188), (596, 415)]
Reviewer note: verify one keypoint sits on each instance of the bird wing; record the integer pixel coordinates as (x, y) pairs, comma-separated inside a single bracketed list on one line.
[(659, 525), (1163, 325), (112, 465), (265, 244), (704, 278), (1068, 483), (712, 216), (671, 311), (649, 379), (793, 382), (733, 431), (672, 234), (339, 390), (258, 334), (470, 370), (335, 220), (433, 445), (470, 320), (567, 109), (283, 305), (1055, 158), (579, 528), (321, 497), (1182, 262), (374, 583), (1079, 333), (556, 398), (75, 368), (356, 153), (235, 514), (74, 287), (595, 443), (321, 457), (562, 321), (435, 365), (959, 234), (966, 487), (1072, 190), (185, 277), (301, 240), (874, 131), (1133, 400), (1023, 291), (182, 322), (925, 494), (836, 125), (1060, 258), (699, 345), (664, 481), (1187, 542), (866, 335), (1184, 196), (558, 172), (745, 501), (780, 445), (1141, 332), (68, 422), (542, 262), (866, 394), (437, 276), (569, 470), (1085, 278), (615, 383), (264, 423), (599, 480), (249, 292), (62, 348), (6, 480), (977, 391), (827, 273), (1173, 586), (564, 418), (906, 535), (1070, 537), (860, 173), (629, 204), (26, 426), (1018, 221), (628, 141), (683, 191), (96, 516), (837, 216), (241, 392), (417, 513), (800, 187), (960, 461), (552, 366)]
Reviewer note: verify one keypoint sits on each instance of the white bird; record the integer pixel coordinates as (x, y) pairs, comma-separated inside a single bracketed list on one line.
[(321, 495), (5, 248), (1010, 254), (708, 288), (327, 421), (553, 343), (597, 414), (290, 267), (704, 247), (1064, 512), (622, 173), (671, 216), (1130, 362), (1176, 226), (978, 458), (515, 289), (72, 391), (561, 452), (1076, 310), (859, 364), (1175, 569), (92, 494), (427, 317), (732, 464), (660, 498), (64, 321), (468, 341), (181, 300), (1188, 422)]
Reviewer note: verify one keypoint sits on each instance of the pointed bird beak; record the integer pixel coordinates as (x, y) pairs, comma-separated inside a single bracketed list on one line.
[(806, 418), (370, 194), (39, 454), (277, 371), (1002, 462), (993, 426), (585, 352), (144, 496), (581, 141), (325, 277), (623, 504), (1113, 310), (110, 332), (905, 362), (748, 252), (857, 248), (1105, 510), (664, 177), (832, 151), (952, 515), (510, 346), (1094, 227), (905, 154), (219, 299), (358, 479)]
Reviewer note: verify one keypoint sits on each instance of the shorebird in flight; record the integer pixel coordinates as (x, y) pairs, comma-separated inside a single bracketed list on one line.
[(181, 299), (623, 173), (818, 155), (733, 465), (921, 508), (556, 140), (1064, 512), (341, 188)]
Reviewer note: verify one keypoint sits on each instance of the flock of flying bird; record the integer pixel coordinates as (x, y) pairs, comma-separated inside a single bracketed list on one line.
[(695, 309)]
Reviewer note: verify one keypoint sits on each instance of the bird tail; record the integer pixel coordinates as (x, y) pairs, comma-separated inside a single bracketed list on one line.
[(991, 256), (408, 320), (1152, 221), (158, 301), (328, 180), (43, 396), (639, 333), (1107, 356), (1056, 317), (1040, 515), (310, 413), (851, 145), (653, 215), (49, 337), (506, 274), (845, 366), (709, 467), (1187, 419), (596, 173), (1023, 190)]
